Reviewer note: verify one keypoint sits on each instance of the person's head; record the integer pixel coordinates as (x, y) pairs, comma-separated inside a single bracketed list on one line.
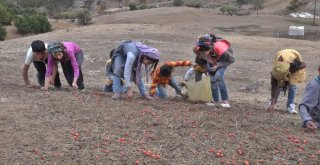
[(111, 53), (165, 70), (204, 45), (56, 49), (39, 49)]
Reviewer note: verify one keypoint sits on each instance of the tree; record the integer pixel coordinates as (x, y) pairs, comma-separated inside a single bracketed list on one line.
[(84, 17), (294, 4), (3, 32), (257, 4), (5, 16), (22, 25), (241, 2), (314, 12), (178, 2), (32, 23)]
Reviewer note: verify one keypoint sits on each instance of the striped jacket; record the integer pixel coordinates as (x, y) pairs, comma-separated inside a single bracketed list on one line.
[(157, 79)]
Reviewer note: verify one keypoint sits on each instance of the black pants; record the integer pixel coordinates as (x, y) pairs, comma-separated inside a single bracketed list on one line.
[(41, 68), (68, 73)]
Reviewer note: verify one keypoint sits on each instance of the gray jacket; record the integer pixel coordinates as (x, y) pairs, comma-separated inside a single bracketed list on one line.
[(309, 107)]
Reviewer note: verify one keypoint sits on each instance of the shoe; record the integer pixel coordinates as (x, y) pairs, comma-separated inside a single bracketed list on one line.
[(225, 104), (116, 96), (211, 104), (291, 109)]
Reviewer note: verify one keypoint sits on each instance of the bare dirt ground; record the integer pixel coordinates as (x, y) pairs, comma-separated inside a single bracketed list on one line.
[(89, 127)]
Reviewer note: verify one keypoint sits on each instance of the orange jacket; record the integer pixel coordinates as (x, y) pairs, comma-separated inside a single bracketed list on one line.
[(157, 79)]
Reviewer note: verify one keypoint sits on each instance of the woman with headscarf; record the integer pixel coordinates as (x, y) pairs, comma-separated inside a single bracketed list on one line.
[(219, 55), (127, 62), (70, 57)]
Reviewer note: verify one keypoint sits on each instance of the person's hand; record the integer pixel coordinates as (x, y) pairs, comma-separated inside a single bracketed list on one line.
[(45, 89), (311, 126), (129, 93), (214, 68), (74, 85)]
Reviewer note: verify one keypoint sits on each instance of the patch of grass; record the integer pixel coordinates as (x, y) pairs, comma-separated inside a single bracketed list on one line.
[(303, 21)]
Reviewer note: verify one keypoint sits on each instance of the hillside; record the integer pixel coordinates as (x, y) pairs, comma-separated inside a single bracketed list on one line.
[(95, 6), (89, 127)]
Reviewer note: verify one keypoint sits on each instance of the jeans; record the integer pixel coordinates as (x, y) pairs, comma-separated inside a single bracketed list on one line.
[(162, 92), (291, 94), (218, 85), (41, 68), (198, 76), (118, 87), (69, 73), (107, 88), (276, 90)]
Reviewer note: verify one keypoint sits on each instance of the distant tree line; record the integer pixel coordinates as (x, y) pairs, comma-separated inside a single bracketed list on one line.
[(25, 15)]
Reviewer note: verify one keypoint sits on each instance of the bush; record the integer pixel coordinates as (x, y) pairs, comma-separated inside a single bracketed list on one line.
[(40, 24), (178, 2), (231, 10), (3, 32), (32, 23), (294, 5), (132, 6), (228, 10), (223, 9), (84, 17), (195, 4), (5, 16), (143, 6)]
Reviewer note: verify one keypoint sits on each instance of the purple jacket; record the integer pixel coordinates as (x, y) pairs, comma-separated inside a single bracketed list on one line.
[(71, 51)]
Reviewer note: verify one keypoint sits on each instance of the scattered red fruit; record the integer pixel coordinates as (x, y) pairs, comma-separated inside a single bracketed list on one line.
[(246, 162), (122, 140), (147, 153), (240, 152), (137, 162), (219, 153), (157, 156)]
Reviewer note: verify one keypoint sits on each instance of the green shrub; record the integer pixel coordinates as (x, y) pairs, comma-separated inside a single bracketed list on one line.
[(84, 17), (23, 25), (3, 32), (178, 2), (194, 3), (31, 3), (5, 16), (223, 9), (228, 10), (32, 23), (142, 6), (132, 6), (231, 10), (40, 24), (294, 5)]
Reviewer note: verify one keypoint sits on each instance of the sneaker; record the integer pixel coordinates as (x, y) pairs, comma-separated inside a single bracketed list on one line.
[(225, 104), (291, 109), (211, 104)]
